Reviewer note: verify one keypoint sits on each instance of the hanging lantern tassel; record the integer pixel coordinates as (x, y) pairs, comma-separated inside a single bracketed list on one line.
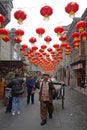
[(0, 24), (20, 21)]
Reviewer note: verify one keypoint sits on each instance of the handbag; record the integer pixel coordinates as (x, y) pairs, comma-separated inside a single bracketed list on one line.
[(8, 93), (32, 91)]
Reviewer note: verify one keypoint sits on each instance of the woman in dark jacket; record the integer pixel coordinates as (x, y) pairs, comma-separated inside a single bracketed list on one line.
[(30, 83)]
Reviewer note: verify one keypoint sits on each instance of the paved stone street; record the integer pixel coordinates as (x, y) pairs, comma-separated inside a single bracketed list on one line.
[(73, 117)]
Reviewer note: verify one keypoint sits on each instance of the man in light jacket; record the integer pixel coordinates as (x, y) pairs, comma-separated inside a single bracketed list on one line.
[(46, 99)]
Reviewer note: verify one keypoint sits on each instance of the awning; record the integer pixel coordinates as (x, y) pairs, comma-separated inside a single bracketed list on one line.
[(7, 66), (12, 63), (78, 62)]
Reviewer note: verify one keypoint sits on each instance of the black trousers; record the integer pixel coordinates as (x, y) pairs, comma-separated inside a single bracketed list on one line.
[(30, 97), (45, 108), (9, 105)]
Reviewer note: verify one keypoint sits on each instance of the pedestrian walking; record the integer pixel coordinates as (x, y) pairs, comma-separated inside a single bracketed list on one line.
[(17, 91), (30, 83), (46, 99), (8, 94)]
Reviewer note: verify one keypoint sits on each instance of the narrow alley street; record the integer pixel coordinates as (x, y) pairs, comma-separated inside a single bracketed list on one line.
[(73, 117)]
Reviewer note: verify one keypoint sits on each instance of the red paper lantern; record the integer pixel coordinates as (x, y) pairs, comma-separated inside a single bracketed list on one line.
[(20, 16), (6, 39), (75, 35), (2, 19), (34, 48), (3, 32), (40, 31), (26, 55), (24, 46), (71, 8), (64, 45), (43, 47), (41, 50), (84, 35), (44, 53), (56, 46), (19, 33), (46, 11), (81, 25), (68, 49), (22, 49), (47, 39), (76, 44), (60, 57), (49, 50), (58, 30), (32, 40), (67, 52), (17, 40), (62, 39)]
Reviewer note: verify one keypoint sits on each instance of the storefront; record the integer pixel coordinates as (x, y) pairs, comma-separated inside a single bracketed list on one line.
[(7, 67), (79, 68)]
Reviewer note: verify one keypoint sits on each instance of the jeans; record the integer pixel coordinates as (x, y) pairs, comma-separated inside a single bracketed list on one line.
[(16, 101)]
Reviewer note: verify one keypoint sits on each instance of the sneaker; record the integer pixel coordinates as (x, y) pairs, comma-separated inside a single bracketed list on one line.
[(18, 112), (13, 113)]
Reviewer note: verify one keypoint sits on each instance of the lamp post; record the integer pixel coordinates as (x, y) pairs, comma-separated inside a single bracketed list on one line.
[(11, 35)]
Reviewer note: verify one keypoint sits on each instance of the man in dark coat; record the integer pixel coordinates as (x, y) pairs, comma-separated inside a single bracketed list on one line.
[(17, 91)]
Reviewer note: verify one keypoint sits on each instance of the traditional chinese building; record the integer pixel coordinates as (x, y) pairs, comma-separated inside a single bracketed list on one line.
[(77, 69)]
